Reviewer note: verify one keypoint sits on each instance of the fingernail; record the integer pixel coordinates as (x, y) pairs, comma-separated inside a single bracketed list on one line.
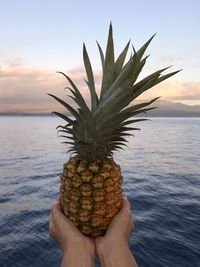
[(55, 202)]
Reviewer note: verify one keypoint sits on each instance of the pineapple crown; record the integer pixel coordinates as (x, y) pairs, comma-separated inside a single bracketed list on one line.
[(96, 133)]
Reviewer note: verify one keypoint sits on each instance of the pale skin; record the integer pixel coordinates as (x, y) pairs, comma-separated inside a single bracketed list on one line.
[(79, 250)]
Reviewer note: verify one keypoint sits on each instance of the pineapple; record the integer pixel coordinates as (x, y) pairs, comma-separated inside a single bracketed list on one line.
[(91, 181)]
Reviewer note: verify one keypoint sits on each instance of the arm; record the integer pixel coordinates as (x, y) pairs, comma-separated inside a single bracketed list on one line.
[(112, 249), (78, 250), (119, 257), (77, 258)]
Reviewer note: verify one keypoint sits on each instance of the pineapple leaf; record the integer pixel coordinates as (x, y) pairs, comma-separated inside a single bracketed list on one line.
[(138, 90), (127, 114), (98, 132), (120, 61), (71, 149), (90, 76), (115, 118), (139, 106), (68, 107), (166, 76), (150, 77), (101, 55), (142, 50), (133, 121), (108, 70), (83, 110), (120, 87), (64, 117), (79, 98)]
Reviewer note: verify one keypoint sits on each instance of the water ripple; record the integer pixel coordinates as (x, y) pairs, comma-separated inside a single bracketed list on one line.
[(161, 180)]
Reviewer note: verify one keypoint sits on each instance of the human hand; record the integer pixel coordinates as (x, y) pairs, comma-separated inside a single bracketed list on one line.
[(119, 230), (76, 246), (112, 248)]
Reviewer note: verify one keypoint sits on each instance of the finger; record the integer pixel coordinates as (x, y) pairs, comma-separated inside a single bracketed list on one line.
[(55, 209), (60, 219), (125, 204), (56, 201), (57, 214), (125, 201), (58, 198), (132, 227), (51, 226), (50, 220)]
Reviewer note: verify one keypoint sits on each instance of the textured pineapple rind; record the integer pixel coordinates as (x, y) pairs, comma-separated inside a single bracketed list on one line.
[(91, 194)]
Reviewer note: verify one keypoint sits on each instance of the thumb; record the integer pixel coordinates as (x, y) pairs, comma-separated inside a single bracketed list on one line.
[(125, 204), (56, 211)]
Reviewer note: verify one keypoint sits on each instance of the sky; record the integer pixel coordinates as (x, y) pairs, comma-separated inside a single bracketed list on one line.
[(39, 38)]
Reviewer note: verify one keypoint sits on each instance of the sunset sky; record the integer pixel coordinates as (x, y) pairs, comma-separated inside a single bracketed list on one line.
[(38, 38)]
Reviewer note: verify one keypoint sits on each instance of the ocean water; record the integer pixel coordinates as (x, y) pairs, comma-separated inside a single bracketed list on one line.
[(161, 170)]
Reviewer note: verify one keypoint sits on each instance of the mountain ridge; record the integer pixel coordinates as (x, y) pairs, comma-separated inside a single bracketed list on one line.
[(163, 109), (174, 109)]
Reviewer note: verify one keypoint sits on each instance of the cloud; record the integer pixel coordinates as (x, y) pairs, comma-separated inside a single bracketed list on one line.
[(170, 58), (190, 91), (24, 89), (176, 91), (14, 62)]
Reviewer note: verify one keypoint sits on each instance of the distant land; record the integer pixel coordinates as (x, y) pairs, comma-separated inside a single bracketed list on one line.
[(172, 109), (164, 109)]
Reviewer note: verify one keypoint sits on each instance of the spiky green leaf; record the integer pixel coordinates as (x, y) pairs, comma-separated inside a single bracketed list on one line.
[(90, 77)]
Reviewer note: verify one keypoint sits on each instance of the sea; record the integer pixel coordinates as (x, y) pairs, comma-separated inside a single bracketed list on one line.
[(161, 172)]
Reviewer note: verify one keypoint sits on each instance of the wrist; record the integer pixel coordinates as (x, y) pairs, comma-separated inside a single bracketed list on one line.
[(80, 245), (116, 257), (78, 256), (79, 250), (109, 251), (104, 247)]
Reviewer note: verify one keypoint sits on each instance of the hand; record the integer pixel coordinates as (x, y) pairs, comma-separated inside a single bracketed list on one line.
[(112, 248), (119, 230), (77, 248)]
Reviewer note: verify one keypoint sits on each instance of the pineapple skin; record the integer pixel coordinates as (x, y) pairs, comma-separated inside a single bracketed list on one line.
[(91, 194)]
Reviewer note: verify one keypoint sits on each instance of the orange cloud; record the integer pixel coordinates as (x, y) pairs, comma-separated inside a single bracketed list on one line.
[(176, 91), (24, 89)]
